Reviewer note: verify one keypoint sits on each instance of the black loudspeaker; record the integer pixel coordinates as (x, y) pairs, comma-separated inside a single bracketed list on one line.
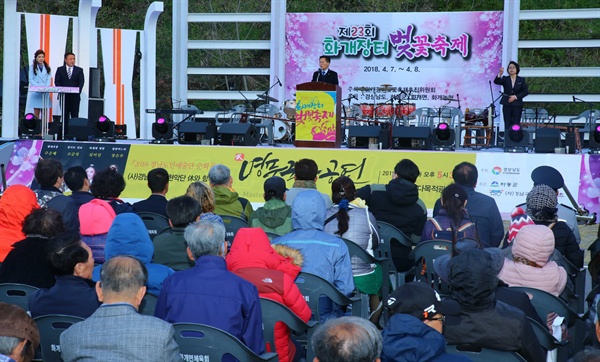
[(94, 91), (363, 136), (95, 109), (546, 140), (418, 138), (238, 134), (570, 143), (80, 129), (196, 132)]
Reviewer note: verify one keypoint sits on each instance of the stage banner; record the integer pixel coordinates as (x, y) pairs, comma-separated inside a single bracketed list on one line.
[(426, 57), (118, 52), (507, 176), (315, 117), (24, 158), (251, 166), (49, 33), (589, 183)]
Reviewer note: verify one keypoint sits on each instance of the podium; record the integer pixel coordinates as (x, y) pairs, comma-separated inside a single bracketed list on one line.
[(52, 89), (318, 115)]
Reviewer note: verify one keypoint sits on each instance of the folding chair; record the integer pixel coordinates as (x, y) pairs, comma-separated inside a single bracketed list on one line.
[(17, 294), (51, 327), (155, 223), (232, 225)]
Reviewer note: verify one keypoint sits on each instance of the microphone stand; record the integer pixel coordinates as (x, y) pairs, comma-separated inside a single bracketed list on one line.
[(590, 117)]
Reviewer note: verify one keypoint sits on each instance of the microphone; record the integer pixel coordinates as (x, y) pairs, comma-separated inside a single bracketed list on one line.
[(318, 74), (278, 81)]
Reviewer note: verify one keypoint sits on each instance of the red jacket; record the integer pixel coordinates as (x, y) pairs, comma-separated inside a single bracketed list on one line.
[(17, 202), (252, 258)]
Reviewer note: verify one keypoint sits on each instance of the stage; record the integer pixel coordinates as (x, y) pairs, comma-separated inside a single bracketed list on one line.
[(503, 176)]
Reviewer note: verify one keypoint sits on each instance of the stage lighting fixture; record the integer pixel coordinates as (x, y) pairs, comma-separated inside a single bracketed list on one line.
[(121, 131), (104, 130), (162, 131), (595, 139), (30, 127), (443, 138), (515, 140)]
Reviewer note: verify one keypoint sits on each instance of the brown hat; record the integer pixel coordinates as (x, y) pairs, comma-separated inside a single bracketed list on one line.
[(15, 322)]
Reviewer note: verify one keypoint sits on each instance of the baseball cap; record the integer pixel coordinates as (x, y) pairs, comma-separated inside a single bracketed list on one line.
[(546, 175), (420, 301), (15, 322), (275, 184)]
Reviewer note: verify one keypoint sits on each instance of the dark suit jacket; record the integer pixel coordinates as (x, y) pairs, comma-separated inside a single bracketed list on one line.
[(155, 203), (520, 90), (117, 332), (330, 77), (61, 78)]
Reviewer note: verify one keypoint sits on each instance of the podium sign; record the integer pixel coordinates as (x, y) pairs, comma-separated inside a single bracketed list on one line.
[(318, 109)]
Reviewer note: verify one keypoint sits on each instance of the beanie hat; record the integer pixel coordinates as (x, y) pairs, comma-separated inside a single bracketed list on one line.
[(518, 219), (541, 204), (96, 217)]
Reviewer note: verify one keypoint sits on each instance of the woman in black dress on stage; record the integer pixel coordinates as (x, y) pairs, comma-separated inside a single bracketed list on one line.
[(515, 89)]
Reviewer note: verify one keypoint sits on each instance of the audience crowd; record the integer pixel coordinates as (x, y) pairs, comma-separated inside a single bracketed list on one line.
[(92, 256)]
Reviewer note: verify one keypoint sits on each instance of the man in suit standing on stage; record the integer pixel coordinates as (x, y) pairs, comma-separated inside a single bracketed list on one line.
[(70, 75), (324, 74)]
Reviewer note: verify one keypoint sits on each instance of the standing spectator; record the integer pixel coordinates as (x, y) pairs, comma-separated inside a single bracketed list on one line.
[(49, 174), (74, 293), (324, 255), (227, 201), (202, 193), (210, 294), (158, 183), (170, 248), (252, 258), (398, 203), (16, 203), (27, 262), (19, 334), (108, 185), (275, 216), (348, 339), (349, 218), (483, 210), (116, 332), (77, 181), (305, 178)]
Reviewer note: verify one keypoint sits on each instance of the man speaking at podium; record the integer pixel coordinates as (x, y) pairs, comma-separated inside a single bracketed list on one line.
[(324, 74), (70, 75)]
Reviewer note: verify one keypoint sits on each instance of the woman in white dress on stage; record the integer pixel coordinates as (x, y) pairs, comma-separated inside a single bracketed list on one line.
[(39, 74)]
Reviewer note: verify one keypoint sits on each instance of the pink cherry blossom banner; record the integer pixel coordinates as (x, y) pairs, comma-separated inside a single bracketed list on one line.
[(431, 56)]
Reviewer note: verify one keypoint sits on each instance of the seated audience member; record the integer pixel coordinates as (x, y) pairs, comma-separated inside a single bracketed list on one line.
[(202, 193), (324, 255), (17, 202), (349, 218), (77, 181), (116, 332), (252, 258), (398, 204), (19, 335), (169, 246), (414, 332), (27, 262), (541, 206), (484, 321), (158, 183), (74, 293), (348, 339), (483, 210), (129, 236), (108, 185), (227, 201), (49, 175), (208, 293), (275, 216), (305, 178), (530, 267), (452, 217), (96, 217)]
